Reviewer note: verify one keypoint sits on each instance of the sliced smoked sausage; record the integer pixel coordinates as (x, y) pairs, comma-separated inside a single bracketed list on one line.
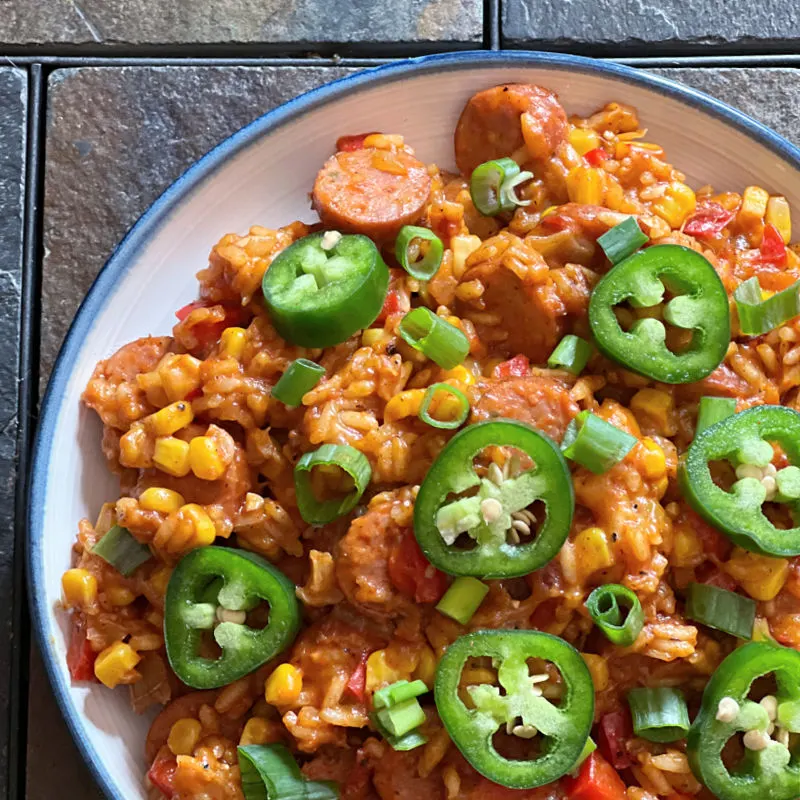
[(371, 191), (498, 121)]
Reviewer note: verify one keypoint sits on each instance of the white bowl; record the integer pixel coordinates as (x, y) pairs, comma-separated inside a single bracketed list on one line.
[(263, 174)]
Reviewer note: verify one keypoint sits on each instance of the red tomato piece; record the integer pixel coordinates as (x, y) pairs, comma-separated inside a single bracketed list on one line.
[(773, 249), (596, 780), (517, 367), (596, 157), (708, 221), (353, 142), (615, 729), (412, 573), (357, 683), (80, 656), (162, 773)]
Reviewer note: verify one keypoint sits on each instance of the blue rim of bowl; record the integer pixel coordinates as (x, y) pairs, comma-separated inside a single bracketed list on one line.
[(124, 255)]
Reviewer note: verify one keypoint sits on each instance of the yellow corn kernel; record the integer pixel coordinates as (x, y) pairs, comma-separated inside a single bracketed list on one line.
[(204, 459), (658, 407), (779, 214), (160, 578), (380, 672), (676, 204), (284, 685), (203, 531), (79, 587), (171, 418), (119, 595), (444, 406), (585, 185), (374, 336), (179, 375), (598, 668), (584, 140), (761, 631), (592, 551), (463, 247), (184, 736), (761, 577), (403, 404), (460, 374), (134, 447), (654, 461), (257, 730), (425, 670), (754, 205), (115, 664), (162, 500), (171, 455), (232, 342), (687, 550)]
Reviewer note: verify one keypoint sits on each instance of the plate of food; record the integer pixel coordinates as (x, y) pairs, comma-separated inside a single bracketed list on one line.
[(466, 465)]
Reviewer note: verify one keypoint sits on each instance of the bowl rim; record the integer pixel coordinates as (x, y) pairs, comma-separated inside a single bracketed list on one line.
[(151, 220)]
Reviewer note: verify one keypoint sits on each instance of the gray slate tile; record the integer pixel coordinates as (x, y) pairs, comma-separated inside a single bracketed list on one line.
[(671, 24), (13, 103), (306, 24)]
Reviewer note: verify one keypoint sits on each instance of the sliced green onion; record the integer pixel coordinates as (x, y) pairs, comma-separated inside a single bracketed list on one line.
[(616, 610), (622, 240), (572, 353), (402, 718), (594, 443), (122, 551), (462, 599), (349, 460), (492, 186), (398, 693), (426, 267), (720, 609), (435, 337), (402, 743), (713, 410), (449, 424), (757, 315), (300, 377), (659, 714), (270, 773)]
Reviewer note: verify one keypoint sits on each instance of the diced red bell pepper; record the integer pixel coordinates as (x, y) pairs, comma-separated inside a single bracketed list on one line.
[(708, 221), (80, 655), (208, 332), (596, 157), (352, 142), (162, 773), (614, 730), (517, 367), (596, 780), (357, 683), (773, 249), (184, 311), (412, 573)]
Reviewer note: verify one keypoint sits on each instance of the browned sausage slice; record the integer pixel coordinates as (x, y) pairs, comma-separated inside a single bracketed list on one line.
[(498, 121), (371, 191)]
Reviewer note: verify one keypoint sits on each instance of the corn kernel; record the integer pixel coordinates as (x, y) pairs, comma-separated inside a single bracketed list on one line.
[(203, 530), (425, 670), (658, 407), (79, 587), (374, 336), (171, 418), (598, 668), (754, 205), (232, 342), (115, 664), (760, 576), (134, 448), (257, 730), (463, 247), (459, 374), (653, 459), (184, 736), (179, 375), (761, 631), (380, 672), (160, 578), (162, 500), (584, 140), (204, 459), (676, 204), (171, 455), (119, 595), (779, 215), (403, 404), (585, 185), (687, 550), (284, 685), (592, 552)]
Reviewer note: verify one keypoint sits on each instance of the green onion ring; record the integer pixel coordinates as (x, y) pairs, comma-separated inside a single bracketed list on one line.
[(426, 267), (617, 612), (463, 411)]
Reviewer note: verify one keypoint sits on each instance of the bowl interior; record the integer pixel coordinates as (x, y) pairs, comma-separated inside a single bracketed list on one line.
[(263, 177)]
